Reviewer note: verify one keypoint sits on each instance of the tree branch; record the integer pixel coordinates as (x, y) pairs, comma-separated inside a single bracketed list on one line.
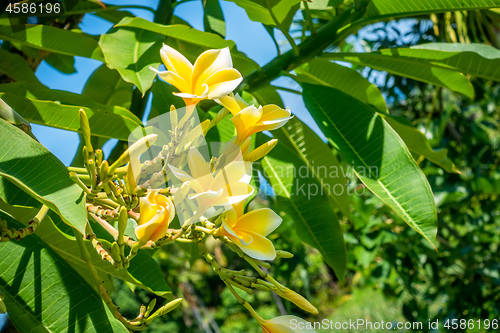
[(330, 33)]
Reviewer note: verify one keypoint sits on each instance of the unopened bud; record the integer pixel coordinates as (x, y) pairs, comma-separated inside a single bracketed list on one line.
[(85, 153), (122, 224), (173, 116), (205, 126), (99, 156), (150, 308), (284, 254), (261, 151), (165, 309), (139, 147), (103, 170), (245, 146), (85, 129), (130, 179), (182, 192), (297, 299), (115, 252)]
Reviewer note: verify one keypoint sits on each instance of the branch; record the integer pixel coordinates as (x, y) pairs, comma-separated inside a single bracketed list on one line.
[(329, 34)]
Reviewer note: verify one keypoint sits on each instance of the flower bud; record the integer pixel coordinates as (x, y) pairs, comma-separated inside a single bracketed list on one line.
[(261, 151), (122, 224), (165, 309), (99, 156), (284, 254), (182, 192), (157, 211), (103, 171), (85, 128), (297, 299), (150, 308), (133, 152), (245, 146), (115, 252)]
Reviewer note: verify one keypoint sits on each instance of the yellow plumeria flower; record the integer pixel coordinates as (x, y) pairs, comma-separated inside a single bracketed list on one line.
[(286, 324), (225, 187), (250, 119), (248, 231), (156, 213), (212, 75)]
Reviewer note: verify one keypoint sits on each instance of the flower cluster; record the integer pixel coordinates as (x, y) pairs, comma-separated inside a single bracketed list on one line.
[(206, 196)]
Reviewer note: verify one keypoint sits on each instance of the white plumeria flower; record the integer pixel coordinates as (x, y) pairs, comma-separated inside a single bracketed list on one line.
[(224, 187)]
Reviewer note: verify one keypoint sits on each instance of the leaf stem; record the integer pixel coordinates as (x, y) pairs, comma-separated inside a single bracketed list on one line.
[(310, 22), (295, 49)]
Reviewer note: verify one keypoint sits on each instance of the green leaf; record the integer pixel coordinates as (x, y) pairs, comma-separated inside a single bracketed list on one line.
[(191, 42), (259, 10), (131, 52), (14, 196), (351, 82), (213, 18), (53, 39), (143, 270), (44, 294), (12, 117), (303, 199), (113, 16), (163, 99), (14, 66), (378, 155), (474, 59), (39, 173), (268, 95), (384, 9), (106, 86), (318, 158), (417, 142), (326, 73), (60, 109), (63, 63), (223, 131), (411, 68)]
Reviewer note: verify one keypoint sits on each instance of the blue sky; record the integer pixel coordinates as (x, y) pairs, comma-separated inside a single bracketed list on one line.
[(250, 38)]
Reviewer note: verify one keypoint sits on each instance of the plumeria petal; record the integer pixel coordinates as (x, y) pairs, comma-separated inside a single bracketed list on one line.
[(223, 82), (229, 220), (272, 111), (172, 78), (211, 76), (156, 213), (238, 193), (175, 61), (262, 221), (260, 248), (230, 103), (234, 172), (180, 174), (210, 62), (148, 208), (197, 165), (242, 240)]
